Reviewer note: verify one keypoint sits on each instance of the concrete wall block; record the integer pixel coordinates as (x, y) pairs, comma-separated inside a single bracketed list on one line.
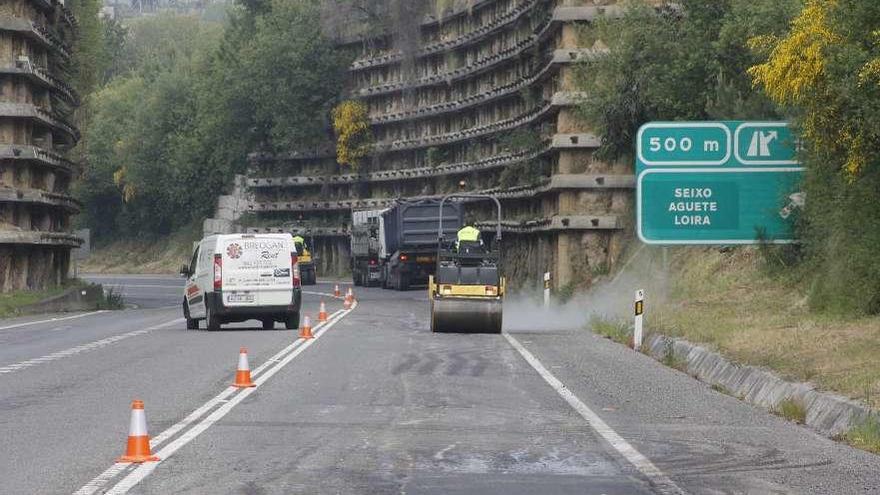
[(827, 413), (217, 226)]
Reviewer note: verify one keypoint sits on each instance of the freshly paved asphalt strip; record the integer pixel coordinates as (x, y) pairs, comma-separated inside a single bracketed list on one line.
[(378, 404)]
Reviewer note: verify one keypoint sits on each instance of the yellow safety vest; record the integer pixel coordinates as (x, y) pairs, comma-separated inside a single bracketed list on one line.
[(469, 234), (298, 240)]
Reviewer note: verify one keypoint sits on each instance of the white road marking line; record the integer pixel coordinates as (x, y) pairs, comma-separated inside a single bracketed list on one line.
[(52, 320), (658, 479), (143, 286), (82, 348), (141, 471), (331, 296)]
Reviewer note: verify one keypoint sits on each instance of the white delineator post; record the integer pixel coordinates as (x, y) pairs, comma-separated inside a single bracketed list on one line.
[(546, 289), (638, 309)]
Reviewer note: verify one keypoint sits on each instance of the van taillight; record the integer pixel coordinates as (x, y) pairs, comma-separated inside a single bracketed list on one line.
[(294, 266), (372, 262), (218, 272), (403, 257)]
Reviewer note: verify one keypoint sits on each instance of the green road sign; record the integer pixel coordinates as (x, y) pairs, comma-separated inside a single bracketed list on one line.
[(717, 183), (686, 143)]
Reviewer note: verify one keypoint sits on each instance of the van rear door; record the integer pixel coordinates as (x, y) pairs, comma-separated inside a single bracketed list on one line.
[(257, 271)]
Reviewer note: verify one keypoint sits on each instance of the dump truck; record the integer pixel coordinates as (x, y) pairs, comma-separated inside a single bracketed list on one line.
[(467, 289), (408, 240), (366, 247)]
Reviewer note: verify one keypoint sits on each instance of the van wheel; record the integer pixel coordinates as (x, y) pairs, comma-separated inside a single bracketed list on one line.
[(268, 324), (291, 321), (211, 320), (191, 324)]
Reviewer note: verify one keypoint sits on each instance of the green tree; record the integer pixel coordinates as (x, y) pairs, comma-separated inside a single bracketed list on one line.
[(189, 99), (824, 71), (682, 61), (296, 74)]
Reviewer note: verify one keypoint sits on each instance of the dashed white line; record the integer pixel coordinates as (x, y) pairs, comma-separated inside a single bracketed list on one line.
[(261, 374), (52, 320), (12, 368), (662, 483)]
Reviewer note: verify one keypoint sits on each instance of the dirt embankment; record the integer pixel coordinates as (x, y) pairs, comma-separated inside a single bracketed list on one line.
[(161, 256)]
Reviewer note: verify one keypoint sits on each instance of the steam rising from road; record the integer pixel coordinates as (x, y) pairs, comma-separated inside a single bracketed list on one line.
[(609, 299)]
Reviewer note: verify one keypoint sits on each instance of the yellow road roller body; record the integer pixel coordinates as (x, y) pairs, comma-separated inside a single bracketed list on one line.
[(467, 288), (466, 308)]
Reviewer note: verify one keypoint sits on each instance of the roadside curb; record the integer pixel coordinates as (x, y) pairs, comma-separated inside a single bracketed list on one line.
[(80, 298), (829, 414)]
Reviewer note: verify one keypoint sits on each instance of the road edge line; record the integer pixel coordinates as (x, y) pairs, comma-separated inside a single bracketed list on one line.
[(53, 320), (88, 346), (655, 476)]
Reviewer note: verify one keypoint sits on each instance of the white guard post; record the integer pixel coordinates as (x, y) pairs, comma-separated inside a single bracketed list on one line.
[(639, 309), (547, 289)]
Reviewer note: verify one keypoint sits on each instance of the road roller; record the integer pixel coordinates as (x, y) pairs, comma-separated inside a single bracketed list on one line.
[(467, 289)]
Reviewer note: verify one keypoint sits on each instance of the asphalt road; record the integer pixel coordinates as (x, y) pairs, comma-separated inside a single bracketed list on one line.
[(142, 291), (378, 404)]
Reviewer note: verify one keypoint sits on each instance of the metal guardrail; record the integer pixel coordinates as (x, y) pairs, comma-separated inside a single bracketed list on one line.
[(37, 196), (464, 39), (45, 117), (553, 183), (39, 237), (42, 76), (28, 152)]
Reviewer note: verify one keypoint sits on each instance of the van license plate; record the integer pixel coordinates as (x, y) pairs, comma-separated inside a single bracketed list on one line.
[(240, 298), (424, 259)]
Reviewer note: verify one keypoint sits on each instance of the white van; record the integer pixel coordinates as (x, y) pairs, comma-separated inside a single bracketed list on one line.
[(242, 277)]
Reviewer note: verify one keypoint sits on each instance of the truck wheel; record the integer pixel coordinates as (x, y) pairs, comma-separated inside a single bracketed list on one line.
[(291, 321), (268, 324), (356, 278), (211, 320), (191, 324)]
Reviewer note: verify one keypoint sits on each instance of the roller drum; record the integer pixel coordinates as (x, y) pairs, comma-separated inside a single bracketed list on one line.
[(466, 315)]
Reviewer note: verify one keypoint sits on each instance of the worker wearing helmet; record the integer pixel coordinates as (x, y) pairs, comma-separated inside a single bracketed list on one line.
[(468, 238), (299, 242)]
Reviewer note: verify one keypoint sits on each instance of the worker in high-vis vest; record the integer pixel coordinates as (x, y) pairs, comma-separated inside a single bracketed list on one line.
[(299, 242), (469, 236)]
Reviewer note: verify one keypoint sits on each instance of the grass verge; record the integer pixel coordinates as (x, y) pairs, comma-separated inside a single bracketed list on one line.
[(865, 435), (792, 410), (611, 329), (11, 302), (730, 301)]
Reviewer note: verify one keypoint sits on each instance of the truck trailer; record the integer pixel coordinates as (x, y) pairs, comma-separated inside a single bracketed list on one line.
[(408, 240)]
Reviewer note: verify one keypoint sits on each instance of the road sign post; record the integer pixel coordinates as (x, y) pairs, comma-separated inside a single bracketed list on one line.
[(546, 289), (638, 309), (716, 183)]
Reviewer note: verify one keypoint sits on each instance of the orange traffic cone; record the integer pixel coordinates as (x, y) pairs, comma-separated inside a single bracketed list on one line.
[(306, 331), (243, 373), (351, 295), (322, 313), (138, 448), (346, 304), (336, 291)]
